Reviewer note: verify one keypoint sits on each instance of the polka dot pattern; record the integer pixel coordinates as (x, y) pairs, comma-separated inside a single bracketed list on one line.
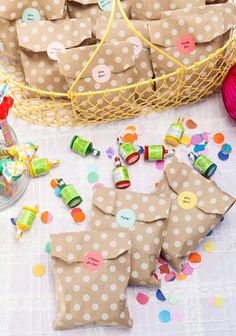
[(186, 227), (146, 233), (80, 290)]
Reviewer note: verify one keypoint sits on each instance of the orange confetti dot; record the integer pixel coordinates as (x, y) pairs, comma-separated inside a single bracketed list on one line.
[(79, 217), (219, 138), (132, 128), (195, 257), (128, 137), (54, 183), (181, 277), (46, 217), (191, 124)]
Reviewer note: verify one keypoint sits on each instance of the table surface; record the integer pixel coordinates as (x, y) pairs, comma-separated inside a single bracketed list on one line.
[(27, 306)]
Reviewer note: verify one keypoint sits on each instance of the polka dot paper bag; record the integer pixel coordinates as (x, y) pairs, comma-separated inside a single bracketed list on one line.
[(151, 10), (8, 38), (144, 216), (41, 42), (197, 207), (92, 270)]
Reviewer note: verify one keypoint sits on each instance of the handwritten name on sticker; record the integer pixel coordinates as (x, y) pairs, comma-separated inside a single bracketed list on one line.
[(136, 43), (101, 73), (31, 15), (125, 218), (53, 49), (105, 5), (186, 44), (187, 200), (93, 261)]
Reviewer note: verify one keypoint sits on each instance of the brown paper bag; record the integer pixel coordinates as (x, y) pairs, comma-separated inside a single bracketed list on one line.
[(114, 67), (151, 10), (35, 39), (91, 270), (8, 37), (143, 217), (50, 10), (197, 207), (121, 32), (90, 9)]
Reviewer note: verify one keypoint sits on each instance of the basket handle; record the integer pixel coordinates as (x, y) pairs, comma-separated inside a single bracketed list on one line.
[(103, 40), (145, 40)]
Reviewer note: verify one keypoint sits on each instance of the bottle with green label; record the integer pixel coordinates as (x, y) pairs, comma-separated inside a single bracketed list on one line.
[(69, 194), (41, 166), (157, 152), (26, 220), (83, 147), (128, 152), (120, 175), (175, 133), (202, 164)]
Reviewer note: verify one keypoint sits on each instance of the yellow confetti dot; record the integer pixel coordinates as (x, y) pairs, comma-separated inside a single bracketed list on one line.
[(185, 140), (209, 246), (39, 270), (219, 301)]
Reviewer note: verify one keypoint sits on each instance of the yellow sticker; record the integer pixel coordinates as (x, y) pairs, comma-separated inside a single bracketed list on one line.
[(39, 270), (209, 246), (219, 301), (187, 200)]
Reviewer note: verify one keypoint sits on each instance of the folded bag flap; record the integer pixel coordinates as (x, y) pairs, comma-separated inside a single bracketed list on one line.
[(209, 197), (38, 36), (75, 246), (85, 2), (202, 28), (117, 56), (119, 30), (146, 207)]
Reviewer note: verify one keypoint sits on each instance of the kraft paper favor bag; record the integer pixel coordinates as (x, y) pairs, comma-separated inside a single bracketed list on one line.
[(51, 10), (141, 214), (40, 44), (197, 207), (91, 270), (112, 68), (9, 40), (151, 10), (121, 32), (90, 9)]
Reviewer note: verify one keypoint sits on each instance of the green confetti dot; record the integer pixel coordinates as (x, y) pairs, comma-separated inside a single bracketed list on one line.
[(93, 177), (48, 248), (172, 299)]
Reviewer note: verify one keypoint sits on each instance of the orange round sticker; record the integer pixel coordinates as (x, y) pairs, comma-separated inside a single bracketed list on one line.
[(186, 44), (187, 200)]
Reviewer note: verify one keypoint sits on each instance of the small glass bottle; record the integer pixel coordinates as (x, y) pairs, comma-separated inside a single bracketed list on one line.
[(83, 147), (41, 166), (120, 175), (175, 133), (69, 194), (157, 152), (128, 152), (203, 165)]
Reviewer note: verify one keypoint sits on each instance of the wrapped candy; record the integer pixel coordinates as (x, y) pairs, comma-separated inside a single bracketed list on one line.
[(12, 170), (24, 153)]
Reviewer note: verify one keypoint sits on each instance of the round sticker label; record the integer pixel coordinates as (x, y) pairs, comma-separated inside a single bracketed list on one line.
[(186, 44), (187, 200), (93, 261), (136, 43), (125, 218), (31, 15), (101, 73), (53, 49), (105, 5)]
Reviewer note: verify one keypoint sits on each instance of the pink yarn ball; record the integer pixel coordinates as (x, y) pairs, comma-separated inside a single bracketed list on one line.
[(229, 92)]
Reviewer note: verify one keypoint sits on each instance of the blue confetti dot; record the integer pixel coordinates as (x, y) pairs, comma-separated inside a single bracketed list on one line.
[(13, 221), (57, 191), (140, 150), (226, 148), (164, 316), (160, 296), (222, 156)]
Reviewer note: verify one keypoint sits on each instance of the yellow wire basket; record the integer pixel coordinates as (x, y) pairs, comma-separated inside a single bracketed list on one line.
[(56, 109)]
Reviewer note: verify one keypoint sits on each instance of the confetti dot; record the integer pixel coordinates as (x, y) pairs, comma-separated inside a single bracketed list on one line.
[(78, 215), (191, 124), (187, 269), (194, 265), (57, 191), (93, 177), (97, 186), (226, 148), (196, 139), (211, 301), (164, 269), (218, 301), (204, 152), (222, 156), (110, 152), (209, 246), (39, 270), (160, 296), (46, 217), (54, 183), (218, 138), (13, 221), (164, 316), (142, 298), (129, 137), (205, 137), (170, 277), (195, 257), (75, 211), (48, 248), (140, 150), (173, 299), (199, 148), (181, 277), (131, 128), (160, 164), (176, 316), (185, 140), (92, 167)]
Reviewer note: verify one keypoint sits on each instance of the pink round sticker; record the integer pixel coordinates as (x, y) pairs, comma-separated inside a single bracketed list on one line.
[(53, 48), (186, 44), (93, 261), (137, 44), (101, 73)]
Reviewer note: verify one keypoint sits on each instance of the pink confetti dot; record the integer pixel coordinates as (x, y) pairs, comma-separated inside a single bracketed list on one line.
[(97, 186), (187, 269), (196, 139), (160, 164), (142, 298)]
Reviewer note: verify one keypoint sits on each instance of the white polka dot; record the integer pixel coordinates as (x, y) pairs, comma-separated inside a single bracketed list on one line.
[(78, 247), (121, 278), (104, 297), (211, 189), (68, 279), (189, 242), (76, 307), (128, 197), (95, 307), (176, 232), (177, 243), (145, 199), (68, 317), (213, 200), (172, 171), (70, 256), (60, 270), (76, 288), (200, 216), (69, 239), (156, 240), (58, 248), (68, 298), (104, 278), (188, 218), (201, 229), (104, 316), (113, 287), (165, 245), (86, 317), (225, 198), (136, 255), (86, 278), (135, 206), (100, 199), (188, 229), (139, 238), (175, 219), (86, 297), (144, 266)]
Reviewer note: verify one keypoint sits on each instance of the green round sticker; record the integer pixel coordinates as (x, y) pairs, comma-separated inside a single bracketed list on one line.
[(105, 5), (125, 218), (31, 15)]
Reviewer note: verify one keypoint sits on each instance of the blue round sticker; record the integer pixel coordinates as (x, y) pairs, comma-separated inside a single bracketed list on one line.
[(105, 5), (125, 218), (31, 15)]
